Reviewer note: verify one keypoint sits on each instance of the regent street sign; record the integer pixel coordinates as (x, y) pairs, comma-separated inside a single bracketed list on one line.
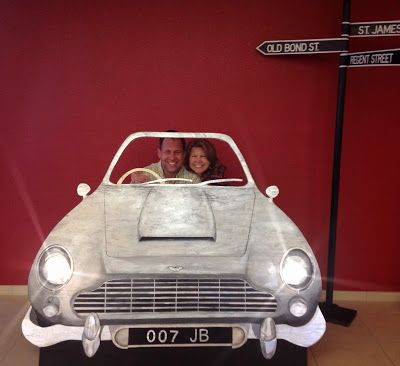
[(371, 58)]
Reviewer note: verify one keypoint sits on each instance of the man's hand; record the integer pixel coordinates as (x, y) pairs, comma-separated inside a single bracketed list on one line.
[(139, 177)]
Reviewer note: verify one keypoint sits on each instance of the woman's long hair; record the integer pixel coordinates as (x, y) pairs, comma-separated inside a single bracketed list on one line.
[(216, 169)]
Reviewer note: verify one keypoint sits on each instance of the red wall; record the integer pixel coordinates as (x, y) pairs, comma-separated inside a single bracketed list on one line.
[(78, 77)]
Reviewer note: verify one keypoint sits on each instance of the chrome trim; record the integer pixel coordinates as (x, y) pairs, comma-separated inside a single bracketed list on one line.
[(175, 296), (285, 255), (45, 283), (304, 336)]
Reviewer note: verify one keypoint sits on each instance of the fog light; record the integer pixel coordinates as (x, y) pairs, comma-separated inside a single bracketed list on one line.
[(298, 308), (50, 310)]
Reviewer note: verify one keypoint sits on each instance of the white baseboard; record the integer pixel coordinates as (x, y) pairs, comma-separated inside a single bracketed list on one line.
[(13, 290), (363, 296)]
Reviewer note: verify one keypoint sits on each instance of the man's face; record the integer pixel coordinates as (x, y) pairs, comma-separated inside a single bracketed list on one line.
[(171, 156)]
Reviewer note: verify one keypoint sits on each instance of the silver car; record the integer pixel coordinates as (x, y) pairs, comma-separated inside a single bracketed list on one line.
[(171, 265)]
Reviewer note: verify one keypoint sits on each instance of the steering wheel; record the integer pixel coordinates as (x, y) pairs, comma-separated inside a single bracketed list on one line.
[(120, 180)]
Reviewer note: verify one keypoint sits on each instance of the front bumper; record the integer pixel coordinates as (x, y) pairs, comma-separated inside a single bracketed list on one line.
[(304, 336)]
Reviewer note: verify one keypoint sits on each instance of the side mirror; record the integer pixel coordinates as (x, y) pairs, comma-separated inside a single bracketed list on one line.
[(272, 192), (83, 189)]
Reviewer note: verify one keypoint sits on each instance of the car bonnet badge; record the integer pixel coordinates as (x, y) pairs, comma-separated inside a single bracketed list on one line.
[(175, 268)]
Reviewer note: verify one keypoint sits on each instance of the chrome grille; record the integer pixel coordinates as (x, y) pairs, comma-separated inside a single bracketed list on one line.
[(174, 295)]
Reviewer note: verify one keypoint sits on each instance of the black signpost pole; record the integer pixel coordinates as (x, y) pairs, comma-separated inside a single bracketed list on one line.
[(390, 57), (332, 312)]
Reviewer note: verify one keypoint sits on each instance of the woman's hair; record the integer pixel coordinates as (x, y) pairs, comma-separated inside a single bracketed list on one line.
[(215, 170)]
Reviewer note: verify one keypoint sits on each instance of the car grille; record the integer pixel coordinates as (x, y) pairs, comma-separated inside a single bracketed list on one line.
[(174, 295)]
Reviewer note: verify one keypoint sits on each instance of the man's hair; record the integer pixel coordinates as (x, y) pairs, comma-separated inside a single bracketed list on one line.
[(180, 138)]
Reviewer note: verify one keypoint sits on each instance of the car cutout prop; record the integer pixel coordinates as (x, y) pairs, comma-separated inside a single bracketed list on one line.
[(159, 264)]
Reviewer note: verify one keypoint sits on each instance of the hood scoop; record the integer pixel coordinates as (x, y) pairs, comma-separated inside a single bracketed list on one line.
[(184, 215)]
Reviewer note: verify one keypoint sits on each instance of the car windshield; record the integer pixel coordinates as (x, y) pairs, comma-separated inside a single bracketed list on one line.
[(203, 161)]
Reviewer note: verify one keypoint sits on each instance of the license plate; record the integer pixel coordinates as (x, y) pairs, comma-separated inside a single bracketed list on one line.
[(180, 336)]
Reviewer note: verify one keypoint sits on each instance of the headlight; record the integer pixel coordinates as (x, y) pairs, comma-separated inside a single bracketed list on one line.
[(296, 269), (55, 267)]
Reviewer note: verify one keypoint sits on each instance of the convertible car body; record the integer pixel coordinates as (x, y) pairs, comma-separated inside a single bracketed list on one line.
[(157, 264)]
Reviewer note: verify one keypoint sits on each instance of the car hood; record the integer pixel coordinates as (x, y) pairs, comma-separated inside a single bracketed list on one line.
[(177, 221)]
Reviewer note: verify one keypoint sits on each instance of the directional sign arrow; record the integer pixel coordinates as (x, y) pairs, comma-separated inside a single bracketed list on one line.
[(371, 58), (303, 46), (375, 29)]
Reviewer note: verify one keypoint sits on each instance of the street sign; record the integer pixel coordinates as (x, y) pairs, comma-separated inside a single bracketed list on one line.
[(303, 46), (375, 29), (371, 58)]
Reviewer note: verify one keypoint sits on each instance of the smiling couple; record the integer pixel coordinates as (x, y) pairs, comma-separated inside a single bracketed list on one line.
[(198, 162)]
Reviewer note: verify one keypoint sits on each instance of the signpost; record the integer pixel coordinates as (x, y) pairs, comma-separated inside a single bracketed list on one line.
[(375, 29), (303, 46), (332, 312)]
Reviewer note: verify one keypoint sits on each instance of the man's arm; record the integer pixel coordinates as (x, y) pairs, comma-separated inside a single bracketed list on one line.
[(143, 177)]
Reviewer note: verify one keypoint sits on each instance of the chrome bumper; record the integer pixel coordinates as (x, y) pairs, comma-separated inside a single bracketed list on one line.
[(304, 336)]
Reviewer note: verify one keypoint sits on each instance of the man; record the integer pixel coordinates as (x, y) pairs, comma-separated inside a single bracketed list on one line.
[(171, 152)]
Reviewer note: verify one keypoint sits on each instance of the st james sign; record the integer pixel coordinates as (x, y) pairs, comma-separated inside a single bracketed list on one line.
[(375, 29)]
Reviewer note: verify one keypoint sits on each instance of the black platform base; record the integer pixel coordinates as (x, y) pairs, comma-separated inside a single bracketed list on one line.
[(71, 354), (337, 315)]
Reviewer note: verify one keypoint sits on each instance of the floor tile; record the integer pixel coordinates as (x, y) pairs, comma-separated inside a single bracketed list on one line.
[(310, 359), (392, 349), (350, 354), (356, 332), (14, 348), (372, 307)]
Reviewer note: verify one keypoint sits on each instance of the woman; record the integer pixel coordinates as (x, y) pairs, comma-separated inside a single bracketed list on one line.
[(201, 158)]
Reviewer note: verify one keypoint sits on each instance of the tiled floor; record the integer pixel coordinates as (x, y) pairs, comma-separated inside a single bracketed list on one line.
[(14, 349), (372, 339)]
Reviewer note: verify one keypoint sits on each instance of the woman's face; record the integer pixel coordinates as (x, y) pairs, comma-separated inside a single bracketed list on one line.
[(198, 161)]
